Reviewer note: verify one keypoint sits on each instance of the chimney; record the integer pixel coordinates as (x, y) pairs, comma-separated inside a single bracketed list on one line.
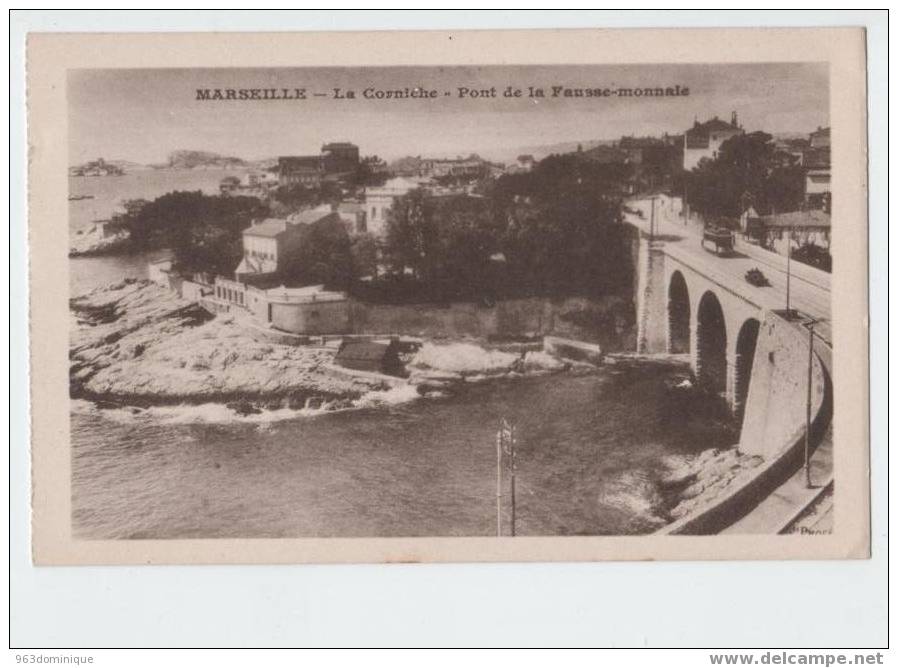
[(735, 121)]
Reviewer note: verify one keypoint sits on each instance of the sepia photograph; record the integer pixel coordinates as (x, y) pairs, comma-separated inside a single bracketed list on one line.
[(450, 301), (449, 329)]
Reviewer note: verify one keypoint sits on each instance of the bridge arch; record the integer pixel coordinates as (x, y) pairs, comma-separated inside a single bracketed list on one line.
[(711, 344), (746, 342), (678, 315)]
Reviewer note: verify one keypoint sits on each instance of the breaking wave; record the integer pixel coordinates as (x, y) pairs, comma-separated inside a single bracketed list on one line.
[(636, 493), (218, 413)]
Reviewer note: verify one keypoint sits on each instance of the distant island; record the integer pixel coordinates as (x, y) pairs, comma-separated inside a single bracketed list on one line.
[(184, 159), (98, 167)]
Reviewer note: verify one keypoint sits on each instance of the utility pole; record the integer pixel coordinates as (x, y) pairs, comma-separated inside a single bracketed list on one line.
[(513, 507), (807, 424), (652, 222), (505, 442), (499, 439), (789, 274)]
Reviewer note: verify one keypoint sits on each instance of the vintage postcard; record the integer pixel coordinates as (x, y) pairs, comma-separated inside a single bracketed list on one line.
[(475, 296)]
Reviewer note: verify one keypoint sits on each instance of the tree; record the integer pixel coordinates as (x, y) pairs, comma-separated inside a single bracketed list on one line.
[(364, 255), (561, 231), (746, 170), (371, 171), (410, 238), (555, 230), (204, 232), (323, 256)]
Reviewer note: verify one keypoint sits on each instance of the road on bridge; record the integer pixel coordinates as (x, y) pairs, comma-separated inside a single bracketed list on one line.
[(809, 291)]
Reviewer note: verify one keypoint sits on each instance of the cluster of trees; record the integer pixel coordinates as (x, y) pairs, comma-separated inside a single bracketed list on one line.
[(203, 232), (748, 171), (323, 255), (554, 230)]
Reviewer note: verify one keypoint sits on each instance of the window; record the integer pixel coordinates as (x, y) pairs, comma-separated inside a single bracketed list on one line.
[(373, 213)]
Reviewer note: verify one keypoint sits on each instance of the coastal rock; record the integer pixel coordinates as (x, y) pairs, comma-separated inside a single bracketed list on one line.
[(705, 477), (537, 360), (185, 354), (473, 362)]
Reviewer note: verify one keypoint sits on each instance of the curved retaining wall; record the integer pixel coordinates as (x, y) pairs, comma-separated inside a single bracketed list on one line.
[(774, 423)]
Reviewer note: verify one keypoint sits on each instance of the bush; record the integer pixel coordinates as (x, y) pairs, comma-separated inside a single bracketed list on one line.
[(815, 256)]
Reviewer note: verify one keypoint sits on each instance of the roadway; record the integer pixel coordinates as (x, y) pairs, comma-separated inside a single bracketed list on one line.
[(809, 291)]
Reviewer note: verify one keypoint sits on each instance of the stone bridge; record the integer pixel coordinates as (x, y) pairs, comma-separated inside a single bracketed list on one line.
[(691, 301), (682, 309)]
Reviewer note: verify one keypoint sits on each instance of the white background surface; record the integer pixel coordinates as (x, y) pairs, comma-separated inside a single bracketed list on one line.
[(699, 604)]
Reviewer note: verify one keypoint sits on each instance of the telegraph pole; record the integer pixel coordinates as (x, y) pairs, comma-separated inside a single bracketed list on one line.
[(499, 439), (513, 509), (506, 439), (652, 222), (807, 424), (789, 274)]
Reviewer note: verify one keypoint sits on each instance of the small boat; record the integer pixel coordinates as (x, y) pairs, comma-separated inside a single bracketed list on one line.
[(76, 198)]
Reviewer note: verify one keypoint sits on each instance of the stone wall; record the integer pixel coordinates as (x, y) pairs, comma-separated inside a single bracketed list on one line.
[(608, 321), (323, 317), (775, 410)]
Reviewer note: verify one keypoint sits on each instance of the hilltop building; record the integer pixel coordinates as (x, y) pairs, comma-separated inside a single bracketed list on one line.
[(379, 200), (303, 170), (270, 245), (338, 157), (820, 138), (336, 160), (703, 140)]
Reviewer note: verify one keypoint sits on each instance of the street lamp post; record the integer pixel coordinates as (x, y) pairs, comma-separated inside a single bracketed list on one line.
[(652, 221), (789, 274), (807, 423)]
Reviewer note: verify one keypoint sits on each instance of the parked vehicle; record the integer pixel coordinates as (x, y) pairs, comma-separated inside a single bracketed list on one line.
[(757, 278)]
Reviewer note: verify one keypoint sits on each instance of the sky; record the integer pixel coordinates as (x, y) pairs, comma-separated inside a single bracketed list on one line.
[(142, 115)]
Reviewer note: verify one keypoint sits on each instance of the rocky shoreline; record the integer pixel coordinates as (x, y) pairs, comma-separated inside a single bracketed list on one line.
[(137, 344), (695, 481), (93, 241)]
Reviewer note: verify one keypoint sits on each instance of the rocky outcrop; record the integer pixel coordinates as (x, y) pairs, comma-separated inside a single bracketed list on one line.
[(692, 482), (138, 343), (95, 241), (440, 366)]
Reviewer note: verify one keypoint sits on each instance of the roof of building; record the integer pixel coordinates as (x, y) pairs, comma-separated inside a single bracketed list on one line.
[(820, 132), (306, 294), (299, 163), (350, 206), (640, 142), (338, 145), (309, 216), (714, 125), (270, 227), (606, 154), (796, 219), (698, 136), (369, 351), (398, 185)]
